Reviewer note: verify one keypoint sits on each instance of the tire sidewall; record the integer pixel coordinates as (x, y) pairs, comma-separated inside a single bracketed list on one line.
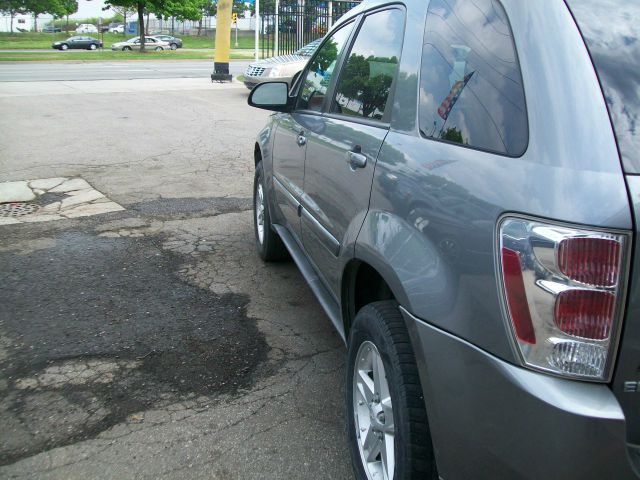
[(369, 327)]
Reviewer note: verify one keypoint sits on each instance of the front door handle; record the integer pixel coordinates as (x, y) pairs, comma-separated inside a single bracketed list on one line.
[(355, 159), (301, 140)]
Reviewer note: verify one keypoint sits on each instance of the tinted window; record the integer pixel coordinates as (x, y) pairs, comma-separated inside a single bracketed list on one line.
[(320, 70), (612, 34), (372, 64), (471, 87)]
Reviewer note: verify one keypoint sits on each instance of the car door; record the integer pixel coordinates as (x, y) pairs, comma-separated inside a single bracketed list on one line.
[(343, 144), (290, 143)]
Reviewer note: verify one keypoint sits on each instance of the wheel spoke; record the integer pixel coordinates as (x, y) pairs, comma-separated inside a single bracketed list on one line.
[(388, 457), (371, 446), (379, 378), (365, 386)]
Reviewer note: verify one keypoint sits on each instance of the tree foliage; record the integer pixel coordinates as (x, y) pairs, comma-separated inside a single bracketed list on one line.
[(368, 81), (12, 8), (182, 10)]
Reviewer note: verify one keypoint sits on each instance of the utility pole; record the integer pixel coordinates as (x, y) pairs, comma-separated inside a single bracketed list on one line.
[(257, 32), (223, 42)]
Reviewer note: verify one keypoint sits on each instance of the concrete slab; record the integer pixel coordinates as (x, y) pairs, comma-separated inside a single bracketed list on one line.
[(15, 192), (70, 185), (46, 183)]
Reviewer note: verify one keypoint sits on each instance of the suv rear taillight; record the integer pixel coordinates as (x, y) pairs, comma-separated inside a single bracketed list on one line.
[(563, 292)]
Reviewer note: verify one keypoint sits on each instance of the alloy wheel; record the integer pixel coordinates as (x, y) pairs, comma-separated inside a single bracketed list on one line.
[(373, 414), (259, 208)]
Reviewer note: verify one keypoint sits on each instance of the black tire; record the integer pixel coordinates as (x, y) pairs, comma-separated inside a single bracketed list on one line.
[(271, 248), (174, 46), (126, 49), (381, 323), (93, 46), (64, 46), (158, 49)]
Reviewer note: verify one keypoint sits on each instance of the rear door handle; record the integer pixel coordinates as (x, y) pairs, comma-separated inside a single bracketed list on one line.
[(355, 159), (301, 140)]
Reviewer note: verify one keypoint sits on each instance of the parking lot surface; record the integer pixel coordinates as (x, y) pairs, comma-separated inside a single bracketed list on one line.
[(151, 342)]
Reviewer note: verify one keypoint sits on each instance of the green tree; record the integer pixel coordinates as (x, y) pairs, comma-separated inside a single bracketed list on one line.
[(12, 8), (68, 7), (368, 81), (39, 7), (452, 134), (182, 10)]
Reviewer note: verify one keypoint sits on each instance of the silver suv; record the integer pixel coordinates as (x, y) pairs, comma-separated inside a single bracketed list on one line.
[(458, 181)]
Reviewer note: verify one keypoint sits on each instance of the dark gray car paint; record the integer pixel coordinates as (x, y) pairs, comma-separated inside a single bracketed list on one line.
[(430, 231)]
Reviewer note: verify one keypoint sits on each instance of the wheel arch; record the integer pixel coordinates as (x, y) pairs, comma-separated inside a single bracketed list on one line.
[(365, 282)]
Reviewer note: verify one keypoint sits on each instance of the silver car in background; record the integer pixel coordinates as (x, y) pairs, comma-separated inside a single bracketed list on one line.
[(281, 68), (150, 43)]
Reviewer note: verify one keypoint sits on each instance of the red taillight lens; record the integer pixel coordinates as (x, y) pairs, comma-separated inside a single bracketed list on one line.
[(564, 290), (516, 296), (593, 261), (585, 313)]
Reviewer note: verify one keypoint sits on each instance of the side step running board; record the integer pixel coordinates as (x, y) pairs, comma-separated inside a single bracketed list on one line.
[(317, 287)]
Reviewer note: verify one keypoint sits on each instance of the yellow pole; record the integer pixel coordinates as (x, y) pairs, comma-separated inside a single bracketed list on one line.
[(223, 42)]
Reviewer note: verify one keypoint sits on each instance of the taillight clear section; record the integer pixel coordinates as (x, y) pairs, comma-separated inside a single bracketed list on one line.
[(563, 294)]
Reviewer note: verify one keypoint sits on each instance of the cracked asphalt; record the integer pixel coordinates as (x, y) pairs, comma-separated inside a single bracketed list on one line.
[(153, 342)]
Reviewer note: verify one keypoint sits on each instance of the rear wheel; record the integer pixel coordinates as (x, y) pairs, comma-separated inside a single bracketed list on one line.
[(387, 420), (126, 49), (268, 242), (93, 46), (158, 49)]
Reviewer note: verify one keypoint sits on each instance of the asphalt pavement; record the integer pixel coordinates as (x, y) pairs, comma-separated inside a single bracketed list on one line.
[(127, 70), (151, 342)]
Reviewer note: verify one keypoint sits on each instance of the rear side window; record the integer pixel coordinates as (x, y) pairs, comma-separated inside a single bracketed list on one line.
[(372, 64), (471, 87)]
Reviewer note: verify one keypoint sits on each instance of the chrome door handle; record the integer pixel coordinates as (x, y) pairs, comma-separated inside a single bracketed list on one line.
[(356, 160), (301, 140)]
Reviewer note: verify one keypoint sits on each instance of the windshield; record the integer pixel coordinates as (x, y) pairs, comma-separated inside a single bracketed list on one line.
[(611, 32), (309, 48)]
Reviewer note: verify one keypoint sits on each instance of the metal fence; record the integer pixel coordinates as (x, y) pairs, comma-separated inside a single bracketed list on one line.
[(297, 23)]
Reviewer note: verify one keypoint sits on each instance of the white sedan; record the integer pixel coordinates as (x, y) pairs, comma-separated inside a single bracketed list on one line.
[(151, 43)]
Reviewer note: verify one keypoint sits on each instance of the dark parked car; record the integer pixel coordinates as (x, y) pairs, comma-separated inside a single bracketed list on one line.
[(459, 183), (51, 29), (87, 43), (174, 42)]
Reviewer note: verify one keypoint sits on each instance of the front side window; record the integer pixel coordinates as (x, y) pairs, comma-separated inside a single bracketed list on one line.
[(365, 83), (471, 89), (320, 69)]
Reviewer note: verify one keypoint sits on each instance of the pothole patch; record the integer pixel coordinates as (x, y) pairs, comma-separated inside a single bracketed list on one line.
[(48, 199)]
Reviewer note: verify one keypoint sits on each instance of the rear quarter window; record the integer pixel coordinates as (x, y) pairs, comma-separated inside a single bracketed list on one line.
[(471, 89)]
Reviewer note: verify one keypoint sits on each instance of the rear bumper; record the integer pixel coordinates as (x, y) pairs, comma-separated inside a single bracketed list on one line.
[(491, 419)]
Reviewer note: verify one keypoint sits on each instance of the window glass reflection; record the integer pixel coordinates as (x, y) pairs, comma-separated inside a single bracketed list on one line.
[(371, 67), (320, 70), (471, 88)]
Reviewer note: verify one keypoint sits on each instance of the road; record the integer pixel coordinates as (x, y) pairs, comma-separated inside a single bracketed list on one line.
[(88, 71), (150, 341)]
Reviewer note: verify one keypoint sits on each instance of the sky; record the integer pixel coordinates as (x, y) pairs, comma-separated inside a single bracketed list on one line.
[(90, 8)]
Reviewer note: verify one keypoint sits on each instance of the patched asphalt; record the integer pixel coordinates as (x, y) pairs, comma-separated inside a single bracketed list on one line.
[(90, 297)]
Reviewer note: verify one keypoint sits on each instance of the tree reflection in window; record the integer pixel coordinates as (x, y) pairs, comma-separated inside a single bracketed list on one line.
[(368, 74), (320, 69)]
